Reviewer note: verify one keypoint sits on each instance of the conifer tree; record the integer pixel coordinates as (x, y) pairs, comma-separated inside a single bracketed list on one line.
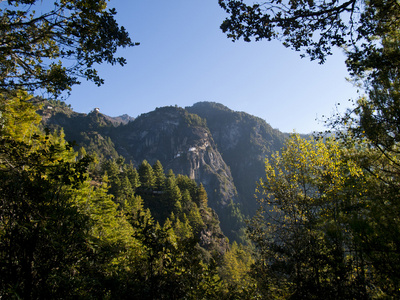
[(159, 175), (43, 230), (146, 175), (202, 196), (235, 270), (60, 237), (133, 176), (192, 212), (173, 196)]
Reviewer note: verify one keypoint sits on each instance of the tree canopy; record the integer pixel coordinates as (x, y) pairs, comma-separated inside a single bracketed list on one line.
[(311, 193), (50, 46), (69, 229), (75, 227), (313, 27), (329, 223)]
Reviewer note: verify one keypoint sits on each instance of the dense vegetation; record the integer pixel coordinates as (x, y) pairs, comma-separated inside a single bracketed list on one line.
[(71, 227), (328, 223), (219, 135), (76, 226)]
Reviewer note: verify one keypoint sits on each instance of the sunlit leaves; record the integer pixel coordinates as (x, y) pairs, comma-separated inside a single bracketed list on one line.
[(312, 192)]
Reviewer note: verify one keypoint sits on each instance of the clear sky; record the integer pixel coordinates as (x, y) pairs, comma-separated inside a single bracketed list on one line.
[(184, 58)]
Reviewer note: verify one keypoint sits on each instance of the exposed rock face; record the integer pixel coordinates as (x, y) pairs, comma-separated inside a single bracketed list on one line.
[(123, 119), (244, 141), (183, 143), (212, 238), (222, 149)]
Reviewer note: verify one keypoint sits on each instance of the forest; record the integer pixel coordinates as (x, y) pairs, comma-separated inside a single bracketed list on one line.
[(75, 225)]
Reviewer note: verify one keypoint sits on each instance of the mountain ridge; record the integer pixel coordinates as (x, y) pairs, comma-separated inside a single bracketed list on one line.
[(222, 149)]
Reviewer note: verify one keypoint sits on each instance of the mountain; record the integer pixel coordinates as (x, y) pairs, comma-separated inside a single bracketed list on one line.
[(182, 142), (244, 142), (222, 149)]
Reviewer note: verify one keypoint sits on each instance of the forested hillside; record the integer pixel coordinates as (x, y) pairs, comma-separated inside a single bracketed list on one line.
[(95, 207), (76, 227), (244, 142), (221, 149)]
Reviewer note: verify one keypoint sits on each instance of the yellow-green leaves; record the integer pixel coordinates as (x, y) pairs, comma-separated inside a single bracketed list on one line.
[(311, 192), (18, 117), (308, 170)]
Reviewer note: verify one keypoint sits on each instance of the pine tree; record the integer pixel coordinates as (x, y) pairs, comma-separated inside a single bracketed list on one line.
[(133, 176), (159, 175), (60, 237), (202, 196), (43, 227), (146, 175)]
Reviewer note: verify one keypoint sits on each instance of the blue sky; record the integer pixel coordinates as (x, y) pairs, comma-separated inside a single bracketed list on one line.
[(184, 58)]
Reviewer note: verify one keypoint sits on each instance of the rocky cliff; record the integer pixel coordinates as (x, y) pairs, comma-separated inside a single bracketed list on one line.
[(222, 149), (182, 142), (244, 142)]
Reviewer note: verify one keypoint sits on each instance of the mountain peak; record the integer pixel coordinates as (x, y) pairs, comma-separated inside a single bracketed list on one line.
[(212, 144), (211, 105)]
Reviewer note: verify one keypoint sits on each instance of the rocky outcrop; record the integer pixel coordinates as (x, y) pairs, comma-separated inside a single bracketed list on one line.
[(220, 148), (244, 141), (182, 143)]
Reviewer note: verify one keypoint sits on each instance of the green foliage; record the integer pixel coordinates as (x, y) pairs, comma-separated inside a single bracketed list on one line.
[(376, 114), (236, 221), (36, 45), (91, 131), (306, 247), (69, 233), (18, 118), (202, 196), (146, 175), (344, 227), (194, 120), (133, 176), (169, 218), (376, 228), (312, 26), (42, 231), (72, 226), (95, 143), (372, 126), (159, 175), (235, 270), (327, 224), (60, 237)]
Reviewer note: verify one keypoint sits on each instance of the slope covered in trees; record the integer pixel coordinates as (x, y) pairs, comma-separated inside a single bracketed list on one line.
[(333, 231), (73, 228), (219, 148), (74, 225), (244, 142), (77, 226)]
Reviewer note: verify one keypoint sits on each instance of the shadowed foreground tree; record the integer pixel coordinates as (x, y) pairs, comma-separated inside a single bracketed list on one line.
[(368, 31), (312, 26), (52, 49), (42, 231), (60, 237), (374, 121), (303, 231)]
